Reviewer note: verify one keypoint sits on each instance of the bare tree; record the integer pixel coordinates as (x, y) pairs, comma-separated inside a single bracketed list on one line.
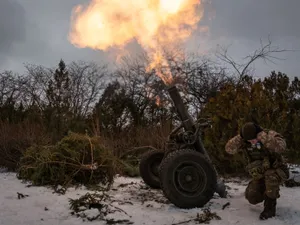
[(87, 81), (37, 80), (203, 81), (197, 79), (11, 87), (266, 53), (141, 87), (86, 84)]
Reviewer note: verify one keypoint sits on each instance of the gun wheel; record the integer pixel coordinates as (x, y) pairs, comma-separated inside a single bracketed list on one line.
[(187, 179), (149, 167)]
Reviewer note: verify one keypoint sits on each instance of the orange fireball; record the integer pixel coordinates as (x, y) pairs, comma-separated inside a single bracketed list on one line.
[(154, 24)]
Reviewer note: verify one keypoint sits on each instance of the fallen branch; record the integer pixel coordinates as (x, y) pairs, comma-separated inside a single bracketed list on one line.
[(226, 205), (20, 195), (113, 221), (205, 217)]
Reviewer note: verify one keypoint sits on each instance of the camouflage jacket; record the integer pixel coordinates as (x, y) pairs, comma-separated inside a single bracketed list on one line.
[(272, 141)]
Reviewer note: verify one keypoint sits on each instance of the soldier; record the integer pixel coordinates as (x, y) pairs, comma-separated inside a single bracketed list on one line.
[(262, 149)]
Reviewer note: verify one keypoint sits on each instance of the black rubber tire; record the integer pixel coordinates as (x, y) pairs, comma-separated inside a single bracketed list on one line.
[(204, 189), (148, 170)]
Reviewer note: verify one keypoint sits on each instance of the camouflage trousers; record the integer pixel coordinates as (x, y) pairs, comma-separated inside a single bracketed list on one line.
[(268, 186)]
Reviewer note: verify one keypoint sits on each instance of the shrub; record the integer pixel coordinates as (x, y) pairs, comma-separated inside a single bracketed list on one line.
[(76, 159)]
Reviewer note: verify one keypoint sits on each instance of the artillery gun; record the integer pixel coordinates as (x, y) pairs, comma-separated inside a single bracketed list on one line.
[(183, 170)]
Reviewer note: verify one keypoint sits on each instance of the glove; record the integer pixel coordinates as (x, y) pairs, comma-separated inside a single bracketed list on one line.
[(256, 173), (256, 169), (263, 138)]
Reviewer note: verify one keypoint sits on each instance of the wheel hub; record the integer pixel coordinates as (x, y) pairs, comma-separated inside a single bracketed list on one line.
[(189, 179)]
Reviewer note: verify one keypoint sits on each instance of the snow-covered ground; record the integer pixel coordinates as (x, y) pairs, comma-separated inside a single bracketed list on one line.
[(140, 204)]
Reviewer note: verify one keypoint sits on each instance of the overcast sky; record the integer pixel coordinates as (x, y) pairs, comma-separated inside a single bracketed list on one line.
[(36, 31)]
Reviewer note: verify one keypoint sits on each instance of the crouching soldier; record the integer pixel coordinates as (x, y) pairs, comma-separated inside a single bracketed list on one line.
[(266, 165)]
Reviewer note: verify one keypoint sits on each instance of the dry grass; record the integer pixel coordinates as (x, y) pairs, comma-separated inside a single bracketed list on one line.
[(15, 139)]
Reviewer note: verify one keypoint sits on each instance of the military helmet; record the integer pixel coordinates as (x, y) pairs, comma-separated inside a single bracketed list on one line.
[(249, 131)]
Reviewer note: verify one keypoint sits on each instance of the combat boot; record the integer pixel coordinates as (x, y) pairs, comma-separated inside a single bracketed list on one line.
[(269, 208)]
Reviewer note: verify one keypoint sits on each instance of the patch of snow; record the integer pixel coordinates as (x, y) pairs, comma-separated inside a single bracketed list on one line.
[(143, 205)]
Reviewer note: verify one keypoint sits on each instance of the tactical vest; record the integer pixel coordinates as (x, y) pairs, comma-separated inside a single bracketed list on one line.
[(253, 153), (259, 160)]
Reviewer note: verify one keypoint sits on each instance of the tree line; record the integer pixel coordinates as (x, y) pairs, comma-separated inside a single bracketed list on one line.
[(130, 107)]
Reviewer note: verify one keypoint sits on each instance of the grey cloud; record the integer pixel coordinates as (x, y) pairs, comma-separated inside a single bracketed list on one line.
[(45, 43), (12, 26), (241, 22), (256, 18)]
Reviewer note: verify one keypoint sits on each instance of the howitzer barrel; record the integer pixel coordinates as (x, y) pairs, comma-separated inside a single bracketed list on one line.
[(185, 117)]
